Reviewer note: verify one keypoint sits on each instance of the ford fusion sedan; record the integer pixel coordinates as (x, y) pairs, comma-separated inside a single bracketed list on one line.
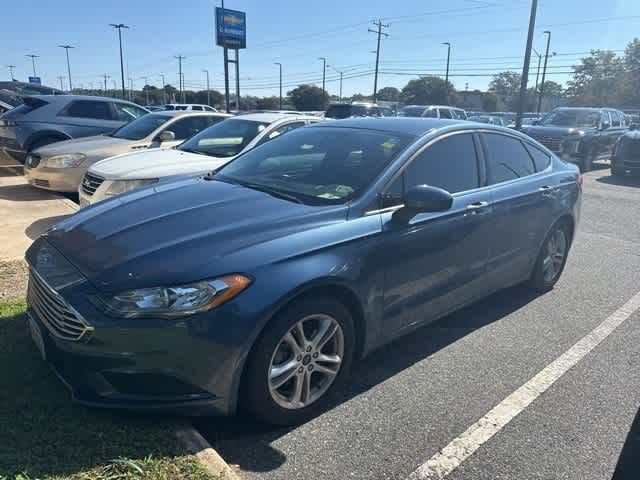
[(204, 152), (261, 283), (45, 119), (61, 166), (580, 135)]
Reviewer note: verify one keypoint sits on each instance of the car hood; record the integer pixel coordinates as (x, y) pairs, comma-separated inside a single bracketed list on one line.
[(155, 163), (555, 132), (98, 145), (188, 230)]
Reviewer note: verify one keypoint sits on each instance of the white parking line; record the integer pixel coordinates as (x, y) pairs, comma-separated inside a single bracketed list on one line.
[(461, 448)]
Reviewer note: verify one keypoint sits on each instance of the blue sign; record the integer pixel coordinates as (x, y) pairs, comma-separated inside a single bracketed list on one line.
[(231, 28), (35, 80)]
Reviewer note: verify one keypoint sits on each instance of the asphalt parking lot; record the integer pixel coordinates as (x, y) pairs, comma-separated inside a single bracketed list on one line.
[(414, 397)]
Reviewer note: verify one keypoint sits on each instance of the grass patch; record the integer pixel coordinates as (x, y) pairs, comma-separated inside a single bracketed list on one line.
[(44, 436)]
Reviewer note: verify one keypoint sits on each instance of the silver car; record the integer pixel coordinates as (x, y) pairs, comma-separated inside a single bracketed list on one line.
[(61, 166)]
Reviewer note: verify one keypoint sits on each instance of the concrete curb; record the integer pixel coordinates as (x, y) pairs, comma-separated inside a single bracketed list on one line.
[(197, 445)]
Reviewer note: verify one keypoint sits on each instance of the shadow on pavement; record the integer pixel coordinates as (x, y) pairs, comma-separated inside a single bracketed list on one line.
[(10, 170), (38, 227), (628, 467), (247, 443), (620, 180)]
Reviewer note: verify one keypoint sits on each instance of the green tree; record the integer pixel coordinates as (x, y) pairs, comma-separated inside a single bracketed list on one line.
[(507, 85), (389, 94), (597, 80), (630, 87), (359, 97), (552, 89), (309, 97), (268, 103), (425, 91), (490, 102)]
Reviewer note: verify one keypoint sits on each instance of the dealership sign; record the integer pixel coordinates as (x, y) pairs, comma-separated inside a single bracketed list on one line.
[(231, 28)]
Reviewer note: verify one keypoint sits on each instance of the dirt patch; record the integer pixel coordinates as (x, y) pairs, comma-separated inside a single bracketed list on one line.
[(13, 280)]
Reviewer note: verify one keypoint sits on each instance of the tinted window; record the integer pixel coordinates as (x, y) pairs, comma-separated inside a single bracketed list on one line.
[(141, 127), (615, 119), (411, 112), (507, 159), (445, 113), (317, 165), (450, 164), (540, 159), (604, 118), (197, 107), (225, 139), (169, 107), (281, 130), (189, 126), (431, 113), (126, 113), (571, 118), (338, 111), (88, 109)]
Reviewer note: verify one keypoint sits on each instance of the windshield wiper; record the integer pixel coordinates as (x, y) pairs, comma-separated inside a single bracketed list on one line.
[(191, 150)]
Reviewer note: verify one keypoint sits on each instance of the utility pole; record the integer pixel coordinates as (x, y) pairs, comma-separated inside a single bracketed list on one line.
[(446, 75), (180, 58), (208, 91), (33, 62), (324, 71), (340, 73), (538, 72), (120, 26), (379, 31), (66, 48), (544, 70), (11, 67), (61, 78), (525, 67), (280, 67), (105, 76), (146, 90), (164, 92)]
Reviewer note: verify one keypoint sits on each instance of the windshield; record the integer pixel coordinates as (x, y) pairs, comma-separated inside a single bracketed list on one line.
[(572, 118), (225, 139), (141, 127), (411, 112), (317, 165)]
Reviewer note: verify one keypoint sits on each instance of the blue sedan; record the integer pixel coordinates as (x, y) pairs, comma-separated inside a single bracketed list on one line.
[(261, 283)]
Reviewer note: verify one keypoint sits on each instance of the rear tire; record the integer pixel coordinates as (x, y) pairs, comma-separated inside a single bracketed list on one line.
[(551, 258), (282, 356)]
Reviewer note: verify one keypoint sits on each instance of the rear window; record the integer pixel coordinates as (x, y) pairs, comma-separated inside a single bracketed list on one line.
[(338, 111)]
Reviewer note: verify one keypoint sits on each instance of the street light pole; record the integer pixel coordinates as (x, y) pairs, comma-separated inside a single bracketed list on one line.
[(208, 91), (340, 73), (544, 70), (120, 26), (180, 58), (66, 48), (33, 62), (538, 72), (446, 75), (60, 77), (164, 92), (146, 90), (106, 77), (11, 67), (280, 67), (525, 66), (324, 71)]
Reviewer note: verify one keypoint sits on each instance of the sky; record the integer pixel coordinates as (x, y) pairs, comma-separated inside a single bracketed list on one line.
[(486, 37)]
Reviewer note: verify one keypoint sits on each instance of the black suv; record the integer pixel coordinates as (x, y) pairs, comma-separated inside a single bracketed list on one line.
[(626, 154), (580, 135)]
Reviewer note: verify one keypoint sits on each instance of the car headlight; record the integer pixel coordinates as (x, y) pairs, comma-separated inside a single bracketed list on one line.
[(67, 160), (121, 186), (172, 302)]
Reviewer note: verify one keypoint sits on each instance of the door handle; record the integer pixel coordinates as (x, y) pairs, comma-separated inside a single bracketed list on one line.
[(546, 190), (477, 205)]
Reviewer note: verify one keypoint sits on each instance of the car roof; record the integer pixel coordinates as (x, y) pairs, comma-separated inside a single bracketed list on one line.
[(586, 109), (68, 98), (408, 125), (273, 117), (189, 113)]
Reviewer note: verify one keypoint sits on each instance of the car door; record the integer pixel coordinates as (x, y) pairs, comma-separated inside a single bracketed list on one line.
[(89, 117), (435, 262), (522, 200)]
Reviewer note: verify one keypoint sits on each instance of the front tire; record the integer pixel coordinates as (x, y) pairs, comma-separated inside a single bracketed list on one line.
[(586, 163), (551, 258), (300, 360)]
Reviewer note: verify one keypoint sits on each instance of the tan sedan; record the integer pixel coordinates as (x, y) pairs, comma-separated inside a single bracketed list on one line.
[(60, 166)]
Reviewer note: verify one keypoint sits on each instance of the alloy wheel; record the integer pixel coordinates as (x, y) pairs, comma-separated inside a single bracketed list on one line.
[(306, 361), (555, 255)]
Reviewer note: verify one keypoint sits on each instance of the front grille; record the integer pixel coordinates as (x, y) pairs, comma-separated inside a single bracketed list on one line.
[(41, 183), (61, 320), (552, 143), (33, 160), (90, 183)]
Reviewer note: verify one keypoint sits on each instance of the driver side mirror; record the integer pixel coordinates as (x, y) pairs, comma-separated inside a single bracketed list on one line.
[(423, 199), (166, 136)]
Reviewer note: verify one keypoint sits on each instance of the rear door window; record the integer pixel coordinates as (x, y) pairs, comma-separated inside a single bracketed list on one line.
[(445, 113), (126, 112), (88, 109), (197, 107), (431, 113), (187, 127), (450, 164), (541, 160), (507, 158)]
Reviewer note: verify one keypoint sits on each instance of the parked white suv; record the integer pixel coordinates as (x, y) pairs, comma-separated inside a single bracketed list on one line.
[(202, 153), (188, 107)]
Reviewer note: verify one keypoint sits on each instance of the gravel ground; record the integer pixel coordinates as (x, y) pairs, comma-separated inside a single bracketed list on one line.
[(13, 280)]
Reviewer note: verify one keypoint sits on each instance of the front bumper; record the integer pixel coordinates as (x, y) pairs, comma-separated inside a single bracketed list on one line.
[(56, 179)]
